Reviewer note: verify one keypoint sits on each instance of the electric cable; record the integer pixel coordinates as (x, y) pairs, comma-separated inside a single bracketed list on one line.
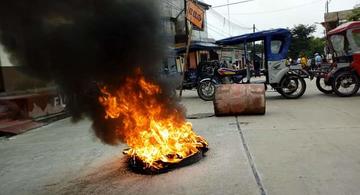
[(235, 3), (214, 28), (221, 35), (279, 10), (172, 5), (219, 15)]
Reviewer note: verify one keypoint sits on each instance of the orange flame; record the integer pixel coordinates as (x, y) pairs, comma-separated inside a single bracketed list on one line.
[(155, 133)]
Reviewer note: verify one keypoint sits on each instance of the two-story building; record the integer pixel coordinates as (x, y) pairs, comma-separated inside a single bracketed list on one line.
[(201, 47)]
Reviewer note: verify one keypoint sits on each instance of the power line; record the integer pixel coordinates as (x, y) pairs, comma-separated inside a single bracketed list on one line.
[(228, 9), (233, 27), (217, 14), (218, 30), (221, 31), (279, 10), (228, 4), (173, 5), (211, 27)]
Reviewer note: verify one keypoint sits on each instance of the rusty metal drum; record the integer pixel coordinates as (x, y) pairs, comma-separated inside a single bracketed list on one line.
[(240, 99)]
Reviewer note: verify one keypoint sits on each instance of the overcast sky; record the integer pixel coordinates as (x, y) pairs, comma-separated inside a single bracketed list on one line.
[(267, 14)]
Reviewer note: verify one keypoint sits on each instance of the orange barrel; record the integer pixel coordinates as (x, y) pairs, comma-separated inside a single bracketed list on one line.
[(239, 99)]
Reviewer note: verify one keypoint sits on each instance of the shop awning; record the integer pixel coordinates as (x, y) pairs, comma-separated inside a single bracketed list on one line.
[(198, 46)]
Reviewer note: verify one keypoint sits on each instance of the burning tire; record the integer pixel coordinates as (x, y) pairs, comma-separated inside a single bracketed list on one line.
[(345, 84), (138, 166), (206, 90), (322, 86), (292, 87)]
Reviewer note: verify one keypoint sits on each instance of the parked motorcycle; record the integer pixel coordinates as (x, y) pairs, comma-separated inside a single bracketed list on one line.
[(192, 77), (206, 87)]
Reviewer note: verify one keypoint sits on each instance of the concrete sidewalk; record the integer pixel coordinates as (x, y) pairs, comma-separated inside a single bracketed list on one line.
[(305, 146)]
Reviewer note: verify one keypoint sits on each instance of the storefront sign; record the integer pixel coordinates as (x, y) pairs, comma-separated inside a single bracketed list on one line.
[(195, 14)]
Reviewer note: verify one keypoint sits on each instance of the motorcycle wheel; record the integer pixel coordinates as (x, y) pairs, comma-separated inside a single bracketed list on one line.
[(345, 84), (321, 85), (206, 90), (293, 87)]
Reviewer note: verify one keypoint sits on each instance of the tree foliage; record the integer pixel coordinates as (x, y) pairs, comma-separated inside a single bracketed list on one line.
[(355, 15), (316, 45), (303, 43)]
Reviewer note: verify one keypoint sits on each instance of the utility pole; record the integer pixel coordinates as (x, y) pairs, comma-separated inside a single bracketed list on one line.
[(228, 6), (327, 6), (2, 88), (188, 27), (254, 48)]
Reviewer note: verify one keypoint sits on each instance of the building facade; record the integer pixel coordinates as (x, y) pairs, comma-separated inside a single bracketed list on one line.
[(334, 19), (174, 24)]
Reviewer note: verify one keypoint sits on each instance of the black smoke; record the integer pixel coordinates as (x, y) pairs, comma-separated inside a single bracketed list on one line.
[(80, 44)]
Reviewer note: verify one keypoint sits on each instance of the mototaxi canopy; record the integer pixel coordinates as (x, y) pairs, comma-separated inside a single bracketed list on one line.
[(269, 37)]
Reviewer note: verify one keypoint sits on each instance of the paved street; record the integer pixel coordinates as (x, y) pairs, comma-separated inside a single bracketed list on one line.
[(305, 146)]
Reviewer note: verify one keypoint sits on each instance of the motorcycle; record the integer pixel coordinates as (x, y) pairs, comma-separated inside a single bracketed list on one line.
[(193, 77), (206, 87)]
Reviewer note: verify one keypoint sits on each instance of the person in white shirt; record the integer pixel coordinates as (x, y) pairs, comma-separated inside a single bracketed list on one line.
[(318, 60)]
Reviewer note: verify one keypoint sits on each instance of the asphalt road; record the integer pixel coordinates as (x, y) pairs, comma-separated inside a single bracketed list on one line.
[(304, 146)]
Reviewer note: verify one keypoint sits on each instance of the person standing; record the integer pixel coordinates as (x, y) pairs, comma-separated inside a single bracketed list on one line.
[(318, 60), (304, 62)]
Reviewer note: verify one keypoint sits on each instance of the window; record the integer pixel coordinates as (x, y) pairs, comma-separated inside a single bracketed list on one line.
[(276, 46), (338, 43), (354, 39), (356, 36)]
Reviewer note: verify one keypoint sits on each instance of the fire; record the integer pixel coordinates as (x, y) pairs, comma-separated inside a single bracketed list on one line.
[(155, 133)]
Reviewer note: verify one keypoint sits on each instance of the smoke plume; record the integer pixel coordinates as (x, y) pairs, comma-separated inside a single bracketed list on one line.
[(80, 44)]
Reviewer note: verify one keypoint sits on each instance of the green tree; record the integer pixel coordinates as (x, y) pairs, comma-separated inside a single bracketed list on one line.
[(301, 36), (355, 15), (316, 45)]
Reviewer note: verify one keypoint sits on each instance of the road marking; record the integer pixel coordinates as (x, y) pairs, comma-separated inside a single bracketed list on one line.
[(252, 164)]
